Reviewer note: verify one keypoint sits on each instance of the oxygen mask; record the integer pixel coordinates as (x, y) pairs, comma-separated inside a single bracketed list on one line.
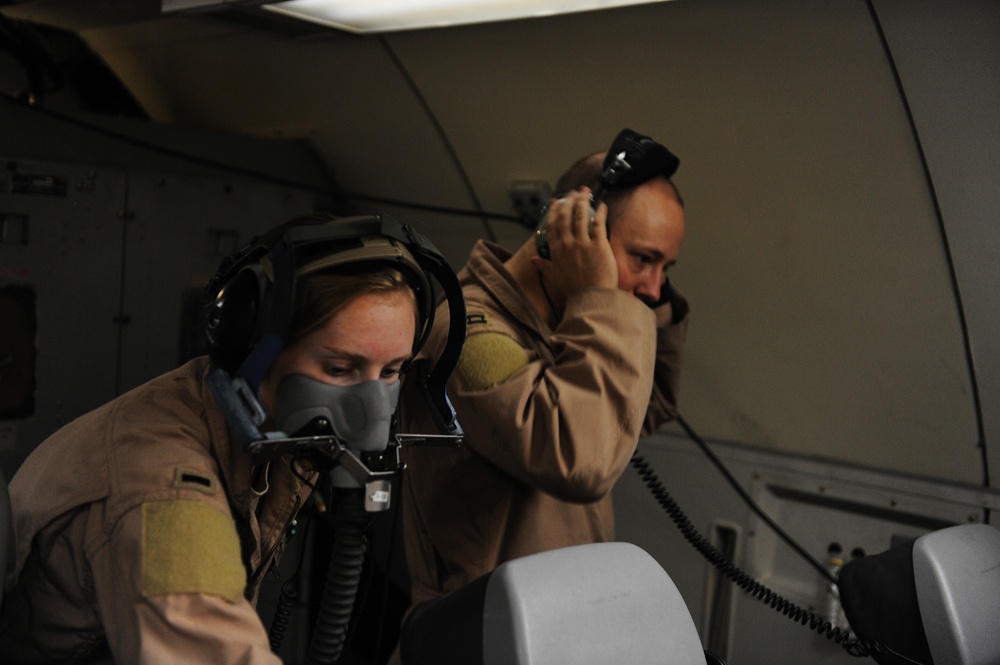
[(358, 416)]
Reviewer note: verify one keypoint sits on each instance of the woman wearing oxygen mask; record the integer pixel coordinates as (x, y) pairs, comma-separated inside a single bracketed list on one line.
[(143, 529)]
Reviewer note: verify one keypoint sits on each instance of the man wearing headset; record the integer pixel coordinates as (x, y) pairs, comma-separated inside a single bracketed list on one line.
[(144, 528), (567, 361)]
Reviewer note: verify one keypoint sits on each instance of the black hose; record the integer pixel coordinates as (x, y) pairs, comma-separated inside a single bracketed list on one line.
[(342, 579)]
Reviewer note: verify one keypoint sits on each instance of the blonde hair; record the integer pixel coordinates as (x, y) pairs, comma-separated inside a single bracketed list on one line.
[(320, 296)]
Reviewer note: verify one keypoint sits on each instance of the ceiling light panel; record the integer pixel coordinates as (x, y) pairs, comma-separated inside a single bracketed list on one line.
[(370, 16)]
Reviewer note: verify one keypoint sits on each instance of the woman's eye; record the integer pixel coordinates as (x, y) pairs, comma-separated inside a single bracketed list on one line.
[(391, 373)]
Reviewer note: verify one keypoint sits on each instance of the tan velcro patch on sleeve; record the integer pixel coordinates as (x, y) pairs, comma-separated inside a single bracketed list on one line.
[(190, 547), (489, 358)]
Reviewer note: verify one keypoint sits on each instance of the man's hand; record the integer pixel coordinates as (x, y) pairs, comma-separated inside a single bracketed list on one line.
[(580, 253)]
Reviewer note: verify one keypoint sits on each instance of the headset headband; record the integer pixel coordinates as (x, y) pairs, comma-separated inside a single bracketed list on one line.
[(645, 157)]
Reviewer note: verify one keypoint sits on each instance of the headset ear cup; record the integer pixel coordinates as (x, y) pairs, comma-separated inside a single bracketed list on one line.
[(231, 326)]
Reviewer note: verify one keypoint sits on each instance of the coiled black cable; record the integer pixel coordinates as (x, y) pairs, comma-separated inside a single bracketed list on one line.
[(744, 581), (343, 577), (748, 500), (282, 615), (286, 600), (289, 589)]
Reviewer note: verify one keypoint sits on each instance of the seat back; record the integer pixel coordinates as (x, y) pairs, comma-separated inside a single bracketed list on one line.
[(957, 575), (587, 605)]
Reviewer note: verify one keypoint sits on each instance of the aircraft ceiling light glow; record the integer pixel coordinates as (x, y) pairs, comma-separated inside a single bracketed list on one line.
[(372, 16)]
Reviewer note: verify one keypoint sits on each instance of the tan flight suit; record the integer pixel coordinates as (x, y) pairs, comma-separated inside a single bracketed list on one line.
[(138, 539), (552, 417)]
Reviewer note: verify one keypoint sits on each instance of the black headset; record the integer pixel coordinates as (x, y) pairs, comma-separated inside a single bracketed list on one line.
[(253, 294), (646, 158), (632, 159)]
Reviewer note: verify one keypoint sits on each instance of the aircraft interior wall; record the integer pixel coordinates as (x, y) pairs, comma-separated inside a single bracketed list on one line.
[(815, 251), (108, 241), (838, 165)]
